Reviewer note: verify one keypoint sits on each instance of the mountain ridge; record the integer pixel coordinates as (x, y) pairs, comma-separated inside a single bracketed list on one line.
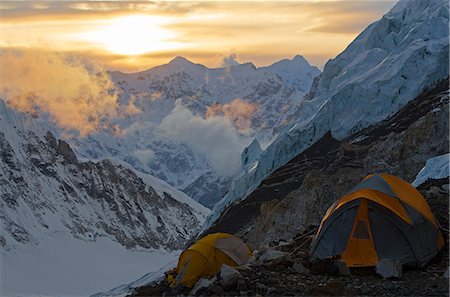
[(360, 87)]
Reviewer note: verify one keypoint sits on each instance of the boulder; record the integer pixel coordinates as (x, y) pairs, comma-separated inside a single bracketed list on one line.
[(270, 255), (254, 258), (229, 277), (342, 267), (245, 267), (325, 266), (202, 283), (216, 289), (388, 268), (299, 268), (445, 275)]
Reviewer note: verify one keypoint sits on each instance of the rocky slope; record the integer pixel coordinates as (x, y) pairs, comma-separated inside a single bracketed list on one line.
[(387, 65), (282, 269), (56, 210), (298, 194), (220, 109), (45, 187), (279, 219)]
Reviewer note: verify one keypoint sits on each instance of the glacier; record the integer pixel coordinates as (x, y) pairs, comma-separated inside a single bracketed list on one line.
[(388, 64), (435, 168)]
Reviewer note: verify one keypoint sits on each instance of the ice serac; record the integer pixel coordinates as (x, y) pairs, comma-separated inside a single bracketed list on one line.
[(435, 168), (254, 100), (389, 63), (62, 219)]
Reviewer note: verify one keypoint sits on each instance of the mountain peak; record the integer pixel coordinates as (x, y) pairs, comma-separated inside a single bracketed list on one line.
[(178, 60), (299, 58)]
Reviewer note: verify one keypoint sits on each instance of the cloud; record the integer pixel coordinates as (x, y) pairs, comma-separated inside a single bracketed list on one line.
[(238, 111), (144, 156), (215, 137), (76, 95), (260, 31), (230, 60)]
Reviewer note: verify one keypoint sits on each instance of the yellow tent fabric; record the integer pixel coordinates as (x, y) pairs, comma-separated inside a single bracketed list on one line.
[(205, 258)]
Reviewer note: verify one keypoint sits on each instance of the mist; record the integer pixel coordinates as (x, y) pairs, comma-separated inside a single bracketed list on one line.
[(75, 94), (214, 137)]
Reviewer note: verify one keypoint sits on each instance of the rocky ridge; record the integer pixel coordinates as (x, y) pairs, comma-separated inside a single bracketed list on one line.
[(46, 191)]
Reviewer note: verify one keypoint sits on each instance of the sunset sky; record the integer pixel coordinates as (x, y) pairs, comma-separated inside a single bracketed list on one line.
[(132, 36)]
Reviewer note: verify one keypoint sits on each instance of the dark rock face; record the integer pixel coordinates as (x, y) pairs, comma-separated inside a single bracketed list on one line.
[(298, 194), (42, 177)]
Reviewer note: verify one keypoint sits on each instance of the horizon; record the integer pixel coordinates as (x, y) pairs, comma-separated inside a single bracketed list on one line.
[(211, 33)]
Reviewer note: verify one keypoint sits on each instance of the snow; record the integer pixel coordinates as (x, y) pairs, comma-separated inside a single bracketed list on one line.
[(65, 266), (296, 72), (162, 187), (71, 229), (177, 154), (385, 67), (146, 279), (435, 168)]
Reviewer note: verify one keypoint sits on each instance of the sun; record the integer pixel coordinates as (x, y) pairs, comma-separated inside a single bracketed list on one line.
[(132, 35)]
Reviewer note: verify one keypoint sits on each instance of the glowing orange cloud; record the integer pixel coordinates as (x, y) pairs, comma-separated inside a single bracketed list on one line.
[(238, 111), (135, 35), (61, 86)]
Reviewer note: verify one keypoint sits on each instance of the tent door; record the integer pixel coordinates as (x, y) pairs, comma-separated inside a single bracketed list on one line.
[(360, 250)]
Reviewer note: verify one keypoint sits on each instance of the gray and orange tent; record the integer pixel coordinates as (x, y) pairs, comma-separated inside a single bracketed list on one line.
[(205, 258), (382, 217)]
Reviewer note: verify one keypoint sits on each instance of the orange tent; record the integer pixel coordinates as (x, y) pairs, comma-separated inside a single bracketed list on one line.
[(382, 217)]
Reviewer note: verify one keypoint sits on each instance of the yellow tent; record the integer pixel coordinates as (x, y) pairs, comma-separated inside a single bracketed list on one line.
[(382, 217), (205, 257)]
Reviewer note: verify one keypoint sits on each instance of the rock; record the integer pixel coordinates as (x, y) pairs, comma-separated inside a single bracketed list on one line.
[(342, 267), (323, 267), (299, 268), (254, 258), (330, 289), (216, 289), (273, 291), (445, 275), (229, 277), (270, 255), (241, 285), (245, 267), (202, 283), (66, 151), (261, 287), (388, 268)]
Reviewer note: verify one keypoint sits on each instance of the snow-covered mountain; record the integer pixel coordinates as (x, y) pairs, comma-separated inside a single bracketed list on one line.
[(388, 64), (64, 220), (192, 122)]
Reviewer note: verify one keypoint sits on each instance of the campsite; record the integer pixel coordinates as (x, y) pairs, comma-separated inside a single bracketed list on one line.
[(284, 269), (287, 267)]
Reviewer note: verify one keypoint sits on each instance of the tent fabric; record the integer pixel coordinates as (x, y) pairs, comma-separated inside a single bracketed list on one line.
[(382, 217), (234, 248), (360, 250), (205, 258)]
